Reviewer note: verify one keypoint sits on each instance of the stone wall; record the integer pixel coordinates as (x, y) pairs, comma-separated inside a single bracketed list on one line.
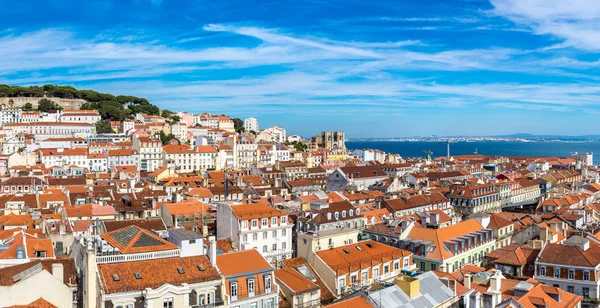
[(72, 104)]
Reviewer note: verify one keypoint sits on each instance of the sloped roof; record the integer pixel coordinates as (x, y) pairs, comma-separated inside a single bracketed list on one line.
[(134, 239)]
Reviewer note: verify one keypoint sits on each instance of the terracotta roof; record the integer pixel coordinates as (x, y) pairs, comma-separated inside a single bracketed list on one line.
[(155, 224), (353, 302), (295, 281), (69, 274), (351, 257), (571, 255), (38, 303), (134, 239), (438, 236), (255, 211), (242, 262), (156, 273)]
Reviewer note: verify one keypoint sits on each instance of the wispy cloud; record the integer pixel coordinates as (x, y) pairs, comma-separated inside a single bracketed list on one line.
[(577, 22)]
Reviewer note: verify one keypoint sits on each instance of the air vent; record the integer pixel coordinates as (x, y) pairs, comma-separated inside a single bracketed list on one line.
[(137, 275), (201, 268), (369, 245), (180, 270), (358, 248), (116, 277), (346, 250)]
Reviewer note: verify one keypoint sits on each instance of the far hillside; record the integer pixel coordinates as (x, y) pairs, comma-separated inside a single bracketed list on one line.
[(111, 107)]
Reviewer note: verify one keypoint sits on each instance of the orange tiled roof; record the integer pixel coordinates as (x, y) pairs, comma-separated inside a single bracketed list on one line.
[(134, 239), (155, 273)]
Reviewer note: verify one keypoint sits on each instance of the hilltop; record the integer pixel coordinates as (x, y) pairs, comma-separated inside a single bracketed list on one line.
[(109, 106)]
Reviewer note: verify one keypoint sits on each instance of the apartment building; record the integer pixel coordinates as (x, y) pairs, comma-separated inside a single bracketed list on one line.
[(325, 216), (408, 205), (150, 151), (64, 157), (256, 226), (249, 280), (572, 266), (472, 199), (45, 130), (123, 157), (79, 116), (361, 264), (189, 158)]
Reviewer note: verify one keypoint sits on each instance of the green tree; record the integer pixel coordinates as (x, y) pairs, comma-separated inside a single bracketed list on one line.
[(164, 138), (103, 127), (46, 105), (238, 125), (176, 119), (166, 113), (27, 107)]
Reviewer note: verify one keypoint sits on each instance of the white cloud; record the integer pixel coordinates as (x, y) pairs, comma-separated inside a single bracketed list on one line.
[(577, 22)]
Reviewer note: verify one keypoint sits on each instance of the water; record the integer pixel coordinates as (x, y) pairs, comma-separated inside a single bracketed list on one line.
[(414, 149)]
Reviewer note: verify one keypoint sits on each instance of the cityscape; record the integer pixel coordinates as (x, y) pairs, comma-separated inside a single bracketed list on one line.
[(299, 154)]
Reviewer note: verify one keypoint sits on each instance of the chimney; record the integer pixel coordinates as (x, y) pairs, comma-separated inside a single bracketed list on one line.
[(467, 281), (58, 271), (495, 286), (409, 285), (213, 250)]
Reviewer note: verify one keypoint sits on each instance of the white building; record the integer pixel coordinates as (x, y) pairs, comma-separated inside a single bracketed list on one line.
[(123, 158), (189, 158), (80, 116), (150, 150), (98, 162), (10, 115), (256, 226), (251, 124), (65, 157), (272, 134), (45, 130)]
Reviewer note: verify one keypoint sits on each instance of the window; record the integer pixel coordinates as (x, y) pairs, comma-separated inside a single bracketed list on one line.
[(264, 235), (234, 289), (273, 221), (283, 246), (268, 284), (282, 219), (209, 298), (255, 236), (585, 292), (542, 271), (375, 272), (245, 237), (469, 260), (586, 275), (168, 302), (251, 286), (245, 224), (202, 299), (433, 266), (284, 232), (422, 266), (406, 262), (556, 272), (570, 289), (265, 221), (253, 305), (396, 265), (274, 246), (571, 274), (386, 269), (254, 223), (265, 249), (274, 233)]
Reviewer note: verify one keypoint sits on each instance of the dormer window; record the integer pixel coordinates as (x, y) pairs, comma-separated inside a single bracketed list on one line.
[(40, 254), (254, 223), (283, 219), (351, 213), (273, 221), (343, 213), (244, 224), (357, 211), (328, 216), (265, 221)]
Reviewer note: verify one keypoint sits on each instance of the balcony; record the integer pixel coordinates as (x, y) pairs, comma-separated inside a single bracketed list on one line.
[(117, 258)]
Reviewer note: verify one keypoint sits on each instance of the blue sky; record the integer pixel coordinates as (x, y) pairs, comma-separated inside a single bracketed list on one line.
[(370, 68)]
